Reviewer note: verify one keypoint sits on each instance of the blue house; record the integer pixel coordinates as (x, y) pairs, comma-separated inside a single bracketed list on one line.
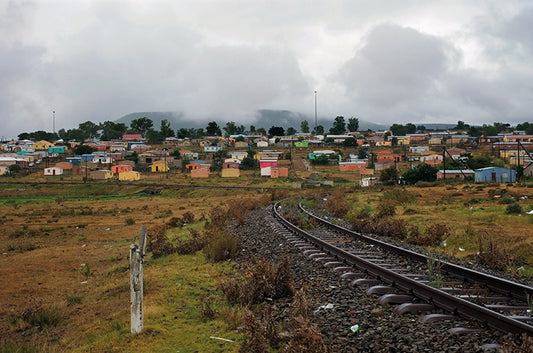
[(87, 157), (73, 160), (495, 175), (56, 149)]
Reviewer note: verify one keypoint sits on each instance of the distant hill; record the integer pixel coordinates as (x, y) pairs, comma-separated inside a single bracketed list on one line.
[(264, 118)]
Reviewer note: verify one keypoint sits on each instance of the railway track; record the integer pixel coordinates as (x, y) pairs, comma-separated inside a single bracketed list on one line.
[(414, 283)]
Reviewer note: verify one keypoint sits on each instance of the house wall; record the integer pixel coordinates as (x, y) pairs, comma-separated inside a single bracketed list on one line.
[(200, 173), (352, 166), (129, 175), (231, 173)]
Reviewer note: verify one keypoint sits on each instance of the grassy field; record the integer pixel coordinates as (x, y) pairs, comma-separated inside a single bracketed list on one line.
[(64, 272)]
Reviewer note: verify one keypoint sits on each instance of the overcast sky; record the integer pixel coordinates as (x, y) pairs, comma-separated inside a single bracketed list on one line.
[(384, 61)]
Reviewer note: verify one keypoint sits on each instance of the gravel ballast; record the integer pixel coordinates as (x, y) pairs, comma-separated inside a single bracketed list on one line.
[(339, 307)]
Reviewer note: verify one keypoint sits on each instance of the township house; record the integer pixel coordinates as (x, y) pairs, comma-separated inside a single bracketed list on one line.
[(101, 174), (351, 166), (432, 159), (198, 169), (387, 156), (159, 167), (495, 175), (230, 168), (454, 174), (121, 168), (51, 171), (43, 145), (129, 176), (268, 162)]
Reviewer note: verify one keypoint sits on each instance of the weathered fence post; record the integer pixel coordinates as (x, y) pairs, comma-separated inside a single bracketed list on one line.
[(136, 282)]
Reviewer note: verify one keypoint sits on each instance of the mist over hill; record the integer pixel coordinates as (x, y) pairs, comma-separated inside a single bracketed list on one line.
[(264, 118)]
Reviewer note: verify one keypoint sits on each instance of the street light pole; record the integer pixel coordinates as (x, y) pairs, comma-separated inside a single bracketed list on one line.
[(316, 119)]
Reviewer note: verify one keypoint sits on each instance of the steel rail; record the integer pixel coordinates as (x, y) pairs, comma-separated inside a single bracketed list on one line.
[(458, 306), (495, 284)]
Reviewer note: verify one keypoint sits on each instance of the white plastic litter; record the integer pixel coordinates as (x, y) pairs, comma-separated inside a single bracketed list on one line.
[(355, 328)]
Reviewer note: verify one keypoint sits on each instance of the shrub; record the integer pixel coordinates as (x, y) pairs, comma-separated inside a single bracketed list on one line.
[(38, 315), (433, 235), (129, 221), (262, 281), (513, 208), (506, 200), (494, 254), (386, 209), (159, 242), (188, 217), (337, 204), (399, 195), (254, 333), (218, 219), (239, 209), (195, 243), (221, 246)]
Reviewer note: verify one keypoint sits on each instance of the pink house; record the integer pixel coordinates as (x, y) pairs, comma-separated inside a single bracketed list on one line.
[(116, 169)]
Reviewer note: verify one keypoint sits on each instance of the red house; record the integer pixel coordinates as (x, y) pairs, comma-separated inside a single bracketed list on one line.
[(273, 163), (121, 168)]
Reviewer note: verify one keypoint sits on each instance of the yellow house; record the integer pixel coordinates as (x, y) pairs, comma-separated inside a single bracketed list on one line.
[(160, 167), (129, 176), (43, 145), (403, 140)]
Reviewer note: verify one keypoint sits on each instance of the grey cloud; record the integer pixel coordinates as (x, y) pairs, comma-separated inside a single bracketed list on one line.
[(395, 65)]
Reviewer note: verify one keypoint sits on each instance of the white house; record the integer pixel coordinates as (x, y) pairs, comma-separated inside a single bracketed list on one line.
[(53, 171)]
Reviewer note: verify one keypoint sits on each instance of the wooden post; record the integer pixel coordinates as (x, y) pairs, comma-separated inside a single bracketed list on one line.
[(136, 282)]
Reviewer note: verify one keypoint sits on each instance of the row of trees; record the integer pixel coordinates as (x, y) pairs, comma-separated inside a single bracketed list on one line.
[(109, 130)]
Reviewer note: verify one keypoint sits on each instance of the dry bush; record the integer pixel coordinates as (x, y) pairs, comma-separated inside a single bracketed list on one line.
[(188, 217), (386, 208), (263, 281), (493, 253), (239, 209), (279, 194), (207, 311), (338, 205), (254, 333), (221, 245), (400, 196), (159, 242), (37, 315), (305, 338), (195, 243), (217, 218), (174, 222)]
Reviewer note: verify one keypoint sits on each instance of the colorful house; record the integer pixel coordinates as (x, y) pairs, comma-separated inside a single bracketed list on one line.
[(73, 160), (263, 163), (129, 176), (159, 167), (432, 159), (102, 174), (132, 137), (43, 145), (495, 175), (51, 171), (388, 156), (121, 168), (196, 166), (353, 166), (56, 149), (279, 172), (64, 165)]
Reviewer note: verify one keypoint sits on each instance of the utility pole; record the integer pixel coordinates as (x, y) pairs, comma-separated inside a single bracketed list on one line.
[(316, 119)]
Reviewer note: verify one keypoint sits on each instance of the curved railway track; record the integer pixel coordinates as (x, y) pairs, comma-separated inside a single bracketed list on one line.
[(402, 277)]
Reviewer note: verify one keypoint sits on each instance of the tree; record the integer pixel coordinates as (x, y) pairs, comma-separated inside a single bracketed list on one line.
[(339, 126), (304, 127), (527, 127), (353, 124), (389, 173), (261, 131), (141, 125), (176, 153), (362, 152), (318, 130), (165, 130), (291, 131), (14, 169), (249, 163), (422, 172), (232, 129), (461, 126), (183, 133), (133, 157), (89, 128), (84, 149), (213, 129), (421, 128), (349, 142), (154, 137), (276, 131), (252, 129), (111, 130)]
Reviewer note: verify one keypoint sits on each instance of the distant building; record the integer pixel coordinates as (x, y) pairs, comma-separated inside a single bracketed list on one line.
[(495, 175)]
